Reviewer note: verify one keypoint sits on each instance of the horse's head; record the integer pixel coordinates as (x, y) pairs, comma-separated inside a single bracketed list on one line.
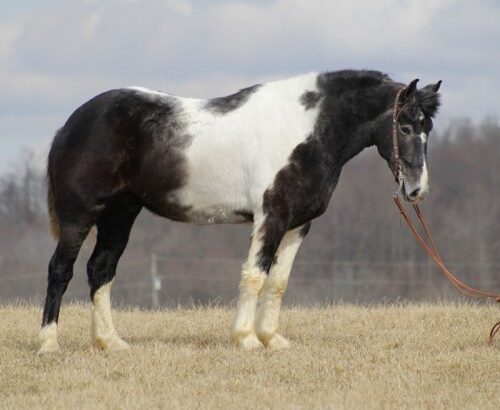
[(416, 109)]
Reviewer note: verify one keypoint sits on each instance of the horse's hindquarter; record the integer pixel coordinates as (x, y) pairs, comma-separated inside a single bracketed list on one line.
[(234, 157)]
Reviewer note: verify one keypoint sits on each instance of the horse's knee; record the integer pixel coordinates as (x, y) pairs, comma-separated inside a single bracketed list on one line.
[(272, 231), (252, 281), (275, 287)]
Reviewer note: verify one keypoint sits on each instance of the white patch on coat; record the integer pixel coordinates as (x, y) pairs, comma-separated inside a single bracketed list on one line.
[(424, 180), (234, 157), (424, 177), (272, 292), (103, 331), (47, 339)]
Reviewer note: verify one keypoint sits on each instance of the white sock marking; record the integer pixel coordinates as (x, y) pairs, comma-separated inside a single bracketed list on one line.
[(104, 334), (274, 288), (252, 279), (47, 339)]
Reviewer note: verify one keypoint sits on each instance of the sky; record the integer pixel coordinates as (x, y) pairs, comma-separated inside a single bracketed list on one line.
[(55, 55)]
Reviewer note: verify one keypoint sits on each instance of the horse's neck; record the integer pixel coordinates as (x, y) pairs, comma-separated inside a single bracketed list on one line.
[(353, 124), (341, 144)]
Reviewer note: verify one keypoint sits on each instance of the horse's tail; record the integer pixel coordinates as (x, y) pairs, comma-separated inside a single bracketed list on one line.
[(54, 222)]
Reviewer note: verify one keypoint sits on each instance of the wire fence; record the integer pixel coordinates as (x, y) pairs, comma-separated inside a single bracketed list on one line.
[(166, 280)]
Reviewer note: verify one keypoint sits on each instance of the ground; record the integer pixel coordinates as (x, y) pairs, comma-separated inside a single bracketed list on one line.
[(342, 356)]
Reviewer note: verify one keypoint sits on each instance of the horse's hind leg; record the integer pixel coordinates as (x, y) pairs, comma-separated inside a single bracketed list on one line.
[(113, 230), (60, 273)]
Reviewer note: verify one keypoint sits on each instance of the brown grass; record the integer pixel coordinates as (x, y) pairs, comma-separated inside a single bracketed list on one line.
[(345, 356)]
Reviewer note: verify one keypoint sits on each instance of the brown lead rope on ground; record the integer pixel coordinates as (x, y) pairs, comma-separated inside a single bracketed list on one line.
[(430, 247), (470, 291), (494, 331), (432, 251)]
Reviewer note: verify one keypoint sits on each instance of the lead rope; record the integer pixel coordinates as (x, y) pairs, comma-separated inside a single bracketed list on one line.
[(432, 251), (430, 246)]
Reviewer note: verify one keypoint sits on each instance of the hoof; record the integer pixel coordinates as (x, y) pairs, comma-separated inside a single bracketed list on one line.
[(278, 342), (47, 338), (110, 344), (249, 342), (49, 347)]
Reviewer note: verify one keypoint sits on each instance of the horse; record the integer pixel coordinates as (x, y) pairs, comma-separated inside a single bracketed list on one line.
[(269, 155)]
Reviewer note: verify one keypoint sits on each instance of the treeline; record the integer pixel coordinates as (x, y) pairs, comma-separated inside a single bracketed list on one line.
[(361, 225)]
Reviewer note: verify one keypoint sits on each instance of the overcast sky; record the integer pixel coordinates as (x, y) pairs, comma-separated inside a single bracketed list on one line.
[(56, 54)]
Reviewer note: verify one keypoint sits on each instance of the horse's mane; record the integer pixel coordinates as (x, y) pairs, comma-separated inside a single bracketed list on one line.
[(352, 78), (356, 75)]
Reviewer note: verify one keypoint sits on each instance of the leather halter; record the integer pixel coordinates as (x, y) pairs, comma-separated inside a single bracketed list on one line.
[(395, 147), (428, 243)]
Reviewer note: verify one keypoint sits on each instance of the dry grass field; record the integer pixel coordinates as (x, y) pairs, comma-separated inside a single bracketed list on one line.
[(345, 356)]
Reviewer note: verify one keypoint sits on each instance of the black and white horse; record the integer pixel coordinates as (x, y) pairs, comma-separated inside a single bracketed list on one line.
[(269, 155)]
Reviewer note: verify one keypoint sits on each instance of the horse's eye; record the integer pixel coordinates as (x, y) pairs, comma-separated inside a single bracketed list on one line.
[(405, 129)]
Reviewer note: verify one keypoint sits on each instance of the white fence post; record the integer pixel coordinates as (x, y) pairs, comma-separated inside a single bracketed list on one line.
[(155, 282)]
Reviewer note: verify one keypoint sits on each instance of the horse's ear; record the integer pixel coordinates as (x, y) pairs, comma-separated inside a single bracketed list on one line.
[(429, 99), (436, 86), (409, 90)]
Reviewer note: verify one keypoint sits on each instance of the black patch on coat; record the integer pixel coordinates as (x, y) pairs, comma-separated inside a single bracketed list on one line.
[(113, 230), (310, 99), (223, 105), (301, 192), (305, 229), (120, 142)]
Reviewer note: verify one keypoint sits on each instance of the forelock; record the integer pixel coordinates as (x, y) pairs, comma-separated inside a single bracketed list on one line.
[(429, 102)]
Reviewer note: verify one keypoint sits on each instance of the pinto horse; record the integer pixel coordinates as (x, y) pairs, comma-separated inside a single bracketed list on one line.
[(269, 155)]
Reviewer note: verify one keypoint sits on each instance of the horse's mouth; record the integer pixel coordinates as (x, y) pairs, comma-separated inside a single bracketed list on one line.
[(413, 200)]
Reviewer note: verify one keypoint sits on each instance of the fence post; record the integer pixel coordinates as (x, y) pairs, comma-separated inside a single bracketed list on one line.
[(155, 282)]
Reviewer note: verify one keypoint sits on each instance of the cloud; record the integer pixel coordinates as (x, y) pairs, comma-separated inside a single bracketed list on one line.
[(9, 32), (54, 58), (177, 39), (91, 24)]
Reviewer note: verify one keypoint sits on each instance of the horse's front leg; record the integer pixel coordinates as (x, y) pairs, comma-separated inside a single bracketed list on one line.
[(265, 240), (274, 288)]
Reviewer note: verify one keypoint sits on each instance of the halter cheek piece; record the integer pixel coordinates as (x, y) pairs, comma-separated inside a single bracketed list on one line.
[(427, 243), (395, 147)]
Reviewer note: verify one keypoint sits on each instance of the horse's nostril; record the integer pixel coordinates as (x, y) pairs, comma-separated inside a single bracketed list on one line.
[(414, 193)]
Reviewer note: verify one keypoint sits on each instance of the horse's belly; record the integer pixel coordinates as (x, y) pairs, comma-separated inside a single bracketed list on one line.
[(203, 207), (213, 197), (219, 214)]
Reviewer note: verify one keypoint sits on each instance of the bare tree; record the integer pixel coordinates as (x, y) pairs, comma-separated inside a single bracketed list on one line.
[(361, 226)]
